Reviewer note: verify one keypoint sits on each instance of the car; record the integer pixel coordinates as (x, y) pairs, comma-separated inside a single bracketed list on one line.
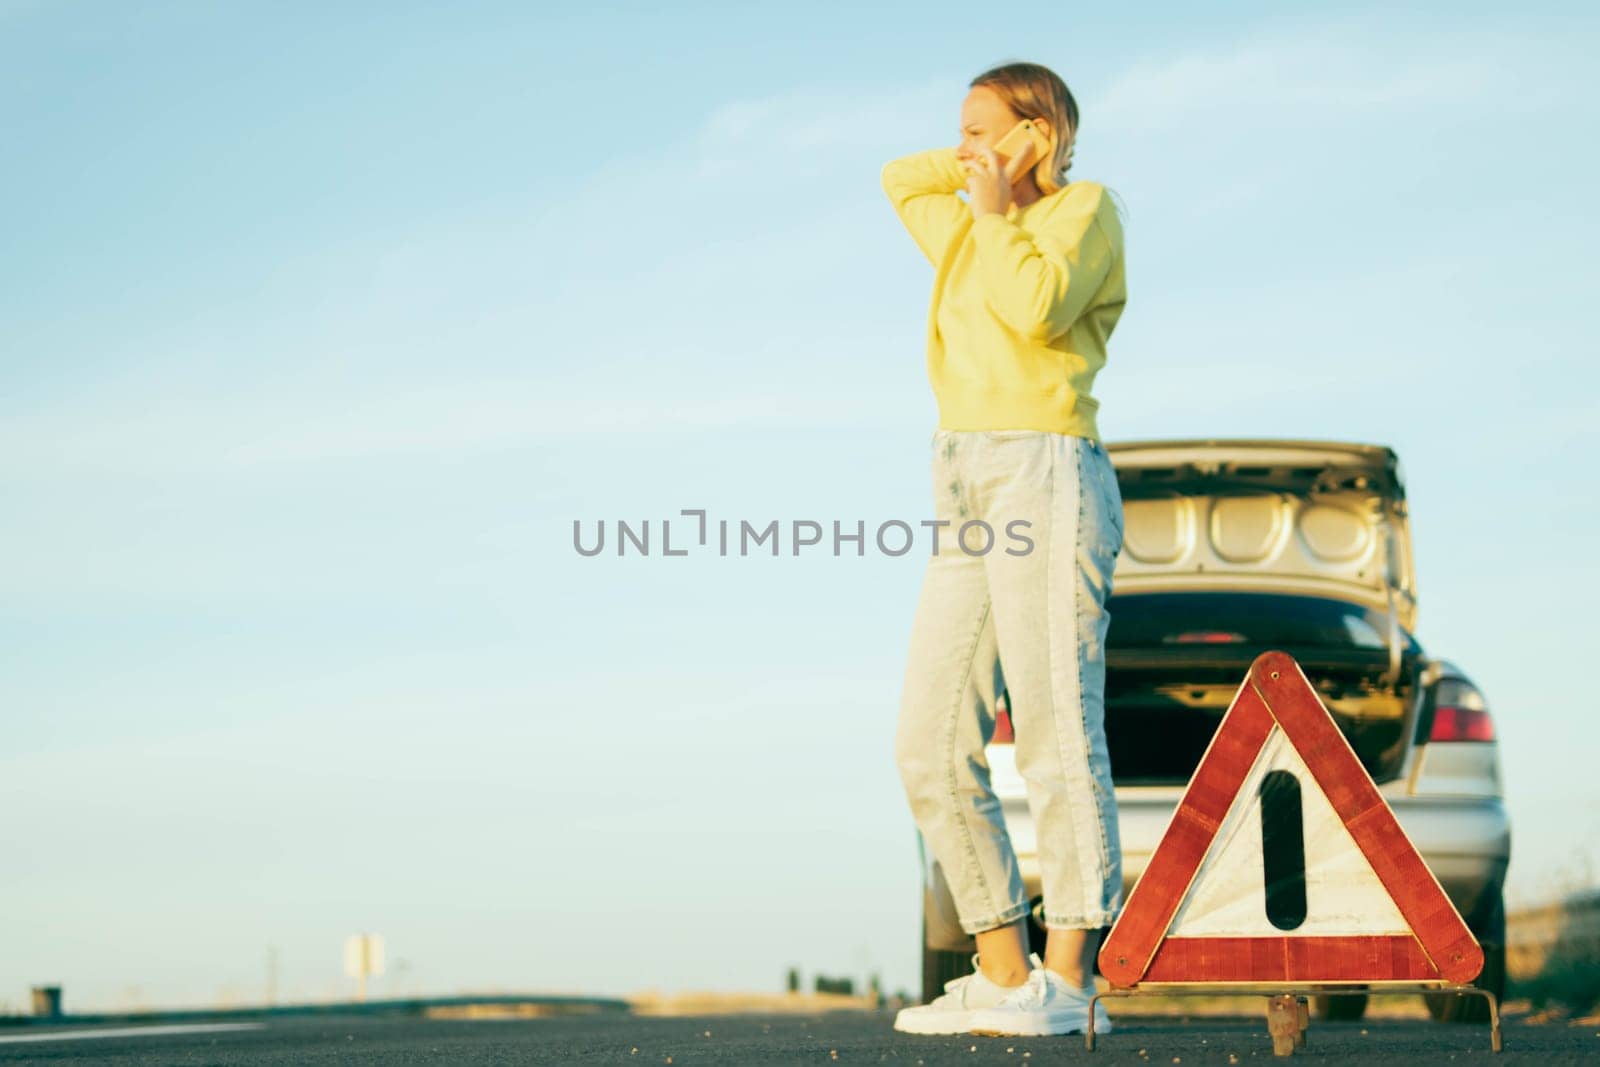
[(1233, 547)]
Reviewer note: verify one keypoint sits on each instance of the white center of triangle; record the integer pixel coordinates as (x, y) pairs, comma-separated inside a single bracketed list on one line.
[(1227, 897)]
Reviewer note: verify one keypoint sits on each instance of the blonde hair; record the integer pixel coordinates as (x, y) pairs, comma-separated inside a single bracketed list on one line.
[(1033, 91)]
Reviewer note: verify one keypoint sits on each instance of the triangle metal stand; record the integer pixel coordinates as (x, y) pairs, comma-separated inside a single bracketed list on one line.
[(1288, 1014)]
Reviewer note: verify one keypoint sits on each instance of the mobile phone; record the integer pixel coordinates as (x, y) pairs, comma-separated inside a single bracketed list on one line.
[(1023, 132)]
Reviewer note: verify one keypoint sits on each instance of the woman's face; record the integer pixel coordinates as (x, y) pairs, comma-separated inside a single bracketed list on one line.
[(985, 118)]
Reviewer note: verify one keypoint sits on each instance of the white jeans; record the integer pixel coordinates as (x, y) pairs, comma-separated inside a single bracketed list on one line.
[(1039, 616)]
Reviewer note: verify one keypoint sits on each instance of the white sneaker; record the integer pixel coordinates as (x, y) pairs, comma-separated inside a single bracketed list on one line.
[(1045, 1004), (951, 1012)]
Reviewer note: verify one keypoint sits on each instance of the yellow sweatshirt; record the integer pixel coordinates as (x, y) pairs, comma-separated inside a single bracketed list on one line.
[(1023, 303)]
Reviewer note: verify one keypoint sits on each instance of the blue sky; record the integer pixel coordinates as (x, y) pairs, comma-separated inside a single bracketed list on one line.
[(319, 327)]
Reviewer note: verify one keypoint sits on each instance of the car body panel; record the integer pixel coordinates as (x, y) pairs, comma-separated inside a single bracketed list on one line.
[(1465, 839)]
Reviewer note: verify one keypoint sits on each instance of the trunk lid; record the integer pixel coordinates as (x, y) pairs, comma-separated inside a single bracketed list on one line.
[(1323, 518)]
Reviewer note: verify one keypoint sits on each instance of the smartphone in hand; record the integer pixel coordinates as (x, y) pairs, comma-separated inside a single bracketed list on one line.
[(1020, 134)]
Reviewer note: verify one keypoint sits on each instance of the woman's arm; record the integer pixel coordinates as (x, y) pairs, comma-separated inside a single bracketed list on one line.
[(1040, 283), (922, 187)]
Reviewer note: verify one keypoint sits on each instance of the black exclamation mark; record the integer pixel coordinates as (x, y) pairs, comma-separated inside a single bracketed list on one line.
[(1283, 850)]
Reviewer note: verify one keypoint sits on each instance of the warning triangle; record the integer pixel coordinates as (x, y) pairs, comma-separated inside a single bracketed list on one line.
[(1283, 863)]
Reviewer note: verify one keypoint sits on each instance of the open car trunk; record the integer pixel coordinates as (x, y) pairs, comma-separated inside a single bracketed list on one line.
[(1236, 546), (1175, 660)]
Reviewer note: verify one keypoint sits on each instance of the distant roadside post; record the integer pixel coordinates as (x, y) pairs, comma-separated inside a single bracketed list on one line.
[(363, 958), (46, 1001)]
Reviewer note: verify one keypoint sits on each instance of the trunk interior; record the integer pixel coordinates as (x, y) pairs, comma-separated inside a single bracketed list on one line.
[(1174, 662)]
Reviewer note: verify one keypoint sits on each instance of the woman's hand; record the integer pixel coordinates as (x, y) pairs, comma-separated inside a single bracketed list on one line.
[(989, 181)]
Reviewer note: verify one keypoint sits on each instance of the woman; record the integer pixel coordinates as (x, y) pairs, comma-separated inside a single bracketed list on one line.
[(1028, 287)]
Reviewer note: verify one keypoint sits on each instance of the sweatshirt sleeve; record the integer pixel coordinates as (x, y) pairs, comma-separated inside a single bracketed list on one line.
[(1040, 283), (922, 187)]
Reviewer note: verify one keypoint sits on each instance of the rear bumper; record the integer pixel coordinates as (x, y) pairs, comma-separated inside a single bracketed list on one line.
[(1465, 841)]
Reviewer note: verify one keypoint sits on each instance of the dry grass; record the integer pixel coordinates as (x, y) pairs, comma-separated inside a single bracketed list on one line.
[(1553, 954), (651, 1002), (526, 1010)]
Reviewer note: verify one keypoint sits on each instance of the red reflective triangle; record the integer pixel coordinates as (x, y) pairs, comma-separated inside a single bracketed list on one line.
[(1276, 692)]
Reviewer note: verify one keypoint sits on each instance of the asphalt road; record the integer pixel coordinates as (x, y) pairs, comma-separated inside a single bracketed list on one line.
[(842, 1037)]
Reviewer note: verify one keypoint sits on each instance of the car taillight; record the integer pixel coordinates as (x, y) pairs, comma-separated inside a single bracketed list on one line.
[(1002, 723), (1460, 713), (1461, 724)]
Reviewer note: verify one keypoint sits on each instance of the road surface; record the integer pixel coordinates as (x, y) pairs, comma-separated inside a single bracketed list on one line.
[(837, 1037)]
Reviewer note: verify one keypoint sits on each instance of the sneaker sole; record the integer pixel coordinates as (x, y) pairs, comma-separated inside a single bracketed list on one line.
[(1035, 1030), (1021, 1031), (944, 1025)]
